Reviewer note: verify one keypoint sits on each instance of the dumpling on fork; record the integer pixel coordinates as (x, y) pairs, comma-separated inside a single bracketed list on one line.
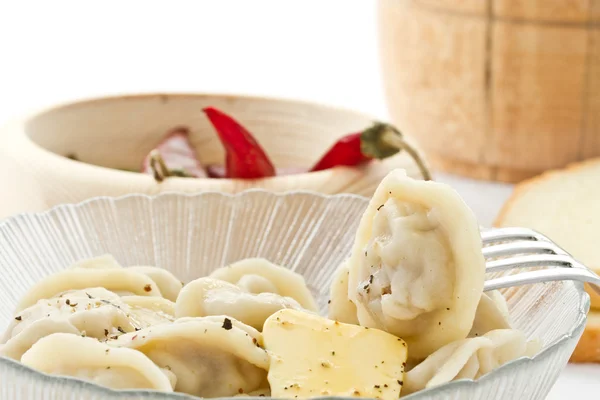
[(416, 268)]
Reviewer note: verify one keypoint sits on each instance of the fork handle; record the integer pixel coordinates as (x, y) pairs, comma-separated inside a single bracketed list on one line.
[(546, 275)]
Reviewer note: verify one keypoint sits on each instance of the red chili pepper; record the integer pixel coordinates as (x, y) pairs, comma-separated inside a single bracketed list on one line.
[(345, 151), (358, 148), (245, 158)]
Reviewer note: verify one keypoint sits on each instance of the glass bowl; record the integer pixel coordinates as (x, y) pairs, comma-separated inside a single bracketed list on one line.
[(191, 235)]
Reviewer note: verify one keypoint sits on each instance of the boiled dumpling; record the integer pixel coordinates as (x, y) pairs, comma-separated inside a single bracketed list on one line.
[(340, 307), (469, 358), (167, 283), (213, 356), (86, 358), (119, 280), (491, 314), (94, 312), (257, 275), (150, 310), (208, 296), (416, 268)]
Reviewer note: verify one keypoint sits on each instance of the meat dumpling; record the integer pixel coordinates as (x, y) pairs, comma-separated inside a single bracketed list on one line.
[(214, 356), (117, 280), (469, 359), (257, 275), (208, 296), (93, 312), (416, 268), (86, 358), (340, 307), (491, 314), (167, 283)]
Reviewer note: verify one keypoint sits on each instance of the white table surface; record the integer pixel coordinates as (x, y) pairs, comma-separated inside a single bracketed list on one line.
[(323, 50)]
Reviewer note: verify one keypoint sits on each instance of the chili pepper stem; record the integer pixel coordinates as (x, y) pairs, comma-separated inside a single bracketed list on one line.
[(158, 166), (393, 139)]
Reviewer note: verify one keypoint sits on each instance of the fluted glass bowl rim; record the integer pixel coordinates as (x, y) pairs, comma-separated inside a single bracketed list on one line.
[(34, 375)]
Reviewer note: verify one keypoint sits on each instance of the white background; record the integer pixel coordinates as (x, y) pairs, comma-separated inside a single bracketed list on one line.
[(322, 50)]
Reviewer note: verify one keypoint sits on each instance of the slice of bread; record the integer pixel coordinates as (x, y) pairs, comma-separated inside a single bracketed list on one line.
[(565, 206), (588, 348)]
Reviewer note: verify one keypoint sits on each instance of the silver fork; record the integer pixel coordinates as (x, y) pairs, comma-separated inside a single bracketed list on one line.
[(525, 248)]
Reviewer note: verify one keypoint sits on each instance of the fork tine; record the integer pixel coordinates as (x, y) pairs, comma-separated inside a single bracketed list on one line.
[(528, 261), (506, 234), (522, 247), (547, 275)]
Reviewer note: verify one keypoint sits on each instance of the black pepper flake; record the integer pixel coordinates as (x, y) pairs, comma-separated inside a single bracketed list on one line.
[(73, 304), (227, 324), (440, 323), (368, 290), (68, 302), (138, 329), (106, 332), (107, 351), (448, 308), (370, 278), (366, 327), (385, 385), (400, 383), (88, 295), (356, 392), (377, 366), (285, 388), (120, 329), (240, 390), (403, 364), (376, 386), (404, 344), (261, 395), (383, 362), (108, 367), (19, 318), (365, 253), (380, 207), (328, 301), (148, 288), (333, 353)]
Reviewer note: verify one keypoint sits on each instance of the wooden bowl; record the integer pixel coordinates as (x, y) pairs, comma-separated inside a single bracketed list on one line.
[(501, 89), (117, 132)]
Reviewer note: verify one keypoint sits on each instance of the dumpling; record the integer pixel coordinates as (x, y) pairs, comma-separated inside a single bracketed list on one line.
[(469, 358), (94, 312), (208, 296), (215, 356), (257, 275), (416, 268), (86, 358), (491, 314), (167, 283), (340, 307), (118, 280), (150, 310)]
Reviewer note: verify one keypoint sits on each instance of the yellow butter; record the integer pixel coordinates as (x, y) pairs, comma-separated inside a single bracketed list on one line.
[(314, 356)]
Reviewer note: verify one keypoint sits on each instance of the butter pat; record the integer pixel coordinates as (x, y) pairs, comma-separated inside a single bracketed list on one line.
[(314, 356)]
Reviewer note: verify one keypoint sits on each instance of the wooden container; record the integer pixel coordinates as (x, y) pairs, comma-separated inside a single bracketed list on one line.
[(496, 89), (117, 132)]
